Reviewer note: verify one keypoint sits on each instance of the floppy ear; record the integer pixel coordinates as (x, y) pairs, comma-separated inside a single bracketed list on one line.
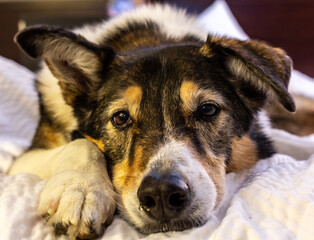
[(73, 60), (256, 70)]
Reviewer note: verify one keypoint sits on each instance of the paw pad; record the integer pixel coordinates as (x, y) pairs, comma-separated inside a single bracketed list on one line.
[(60, 228)]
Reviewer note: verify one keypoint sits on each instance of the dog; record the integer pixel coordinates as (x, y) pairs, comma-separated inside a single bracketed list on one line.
[(146, 113)]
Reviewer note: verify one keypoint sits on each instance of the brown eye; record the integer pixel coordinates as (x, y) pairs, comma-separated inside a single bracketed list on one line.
[(121, 119), (209, 109)]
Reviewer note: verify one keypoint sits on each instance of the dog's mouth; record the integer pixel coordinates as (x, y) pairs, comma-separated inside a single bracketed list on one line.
[(171, 225)]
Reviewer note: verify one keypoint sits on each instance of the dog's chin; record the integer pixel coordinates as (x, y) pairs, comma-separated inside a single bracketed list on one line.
[(170, 225)]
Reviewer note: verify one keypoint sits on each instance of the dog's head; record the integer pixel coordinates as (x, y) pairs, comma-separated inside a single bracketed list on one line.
[(171, 120)]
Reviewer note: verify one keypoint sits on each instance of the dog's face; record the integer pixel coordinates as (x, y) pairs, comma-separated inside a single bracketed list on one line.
[(170, 120)]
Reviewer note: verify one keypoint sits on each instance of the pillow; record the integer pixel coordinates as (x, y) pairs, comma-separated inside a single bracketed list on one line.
[(19, 111), (218, 19)]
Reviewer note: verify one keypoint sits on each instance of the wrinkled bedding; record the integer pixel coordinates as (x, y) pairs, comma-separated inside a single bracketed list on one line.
[(273, 200)]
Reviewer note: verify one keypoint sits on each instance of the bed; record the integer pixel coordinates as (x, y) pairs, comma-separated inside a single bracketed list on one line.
[(273, 200)]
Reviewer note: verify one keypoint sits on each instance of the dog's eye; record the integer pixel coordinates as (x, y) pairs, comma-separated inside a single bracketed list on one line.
[(209, 109), (121, 119)]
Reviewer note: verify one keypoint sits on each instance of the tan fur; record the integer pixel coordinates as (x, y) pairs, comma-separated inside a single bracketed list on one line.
[(127, 177), (48, 137), (192, 96), (206, 50), (188, 91), (133, 97), (217, 175), (69, 96), (98, 143), (244, 154), (130, 100)]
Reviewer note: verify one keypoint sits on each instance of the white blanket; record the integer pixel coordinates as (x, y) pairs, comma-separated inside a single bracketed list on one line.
[(273, 200), (18, 111)]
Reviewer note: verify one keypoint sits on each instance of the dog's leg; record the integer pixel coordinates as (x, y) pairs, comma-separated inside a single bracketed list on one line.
[(78, 196)]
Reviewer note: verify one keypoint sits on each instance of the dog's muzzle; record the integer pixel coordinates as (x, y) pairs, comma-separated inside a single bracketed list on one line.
[(174, 193), (164, 196)]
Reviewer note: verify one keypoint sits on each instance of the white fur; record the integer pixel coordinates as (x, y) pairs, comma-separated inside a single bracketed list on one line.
[(53, 100), (172, 21), (264, 121)]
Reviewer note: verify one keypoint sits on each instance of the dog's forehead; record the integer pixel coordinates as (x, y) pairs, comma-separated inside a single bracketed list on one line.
[(166, 85), (166, 73)]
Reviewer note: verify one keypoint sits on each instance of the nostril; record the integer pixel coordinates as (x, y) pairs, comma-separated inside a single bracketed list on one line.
[(148, 202), (148, 194), (177, 200)]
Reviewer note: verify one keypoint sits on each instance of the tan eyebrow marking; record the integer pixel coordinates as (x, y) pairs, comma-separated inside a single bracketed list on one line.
[(133, 97), (187, 92), (192, 95), (130, 100)]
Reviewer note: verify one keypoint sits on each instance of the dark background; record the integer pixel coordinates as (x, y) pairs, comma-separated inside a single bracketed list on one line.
[(288, 24)]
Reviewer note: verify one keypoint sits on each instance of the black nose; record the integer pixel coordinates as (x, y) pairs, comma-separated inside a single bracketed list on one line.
[(163, 197)]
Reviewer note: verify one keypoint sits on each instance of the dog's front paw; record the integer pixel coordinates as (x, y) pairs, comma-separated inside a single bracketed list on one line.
[(77, 204)]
